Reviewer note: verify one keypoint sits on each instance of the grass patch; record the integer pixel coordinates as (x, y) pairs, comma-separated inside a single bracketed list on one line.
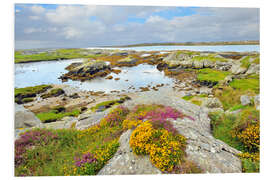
[(237, 107), (187, 98), (23, 95), (196, 101), (53, 93), (211, 75), (55, 115), (241, 131), (210, 57), (246, 84), (256, 61), (107, 104), (245, 63)]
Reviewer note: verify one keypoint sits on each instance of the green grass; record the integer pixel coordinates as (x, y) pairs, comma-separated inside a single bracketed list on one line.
[(31, 90), (246, 84), (245, 63), (187, 98), (256, 61), (53, 92), (228, 127), (210, 57), (197, 102), (58, 54), (24, 95), (54, 115), (107, 104), (211, 75), (237, 107), (222, 127)]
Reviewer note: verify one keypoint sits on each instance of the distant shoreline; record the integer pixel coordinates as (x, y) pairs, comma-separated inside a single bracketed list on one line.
[(188, 44)]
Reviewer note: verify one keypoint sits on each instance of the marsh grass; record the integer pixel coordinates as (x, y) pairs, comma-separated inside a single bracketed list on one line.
[(55, 115), (211, 75)]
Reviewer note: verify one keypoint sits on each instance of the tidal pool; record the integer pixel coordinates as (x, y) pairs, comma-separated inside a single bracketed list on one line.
[(131, 78)]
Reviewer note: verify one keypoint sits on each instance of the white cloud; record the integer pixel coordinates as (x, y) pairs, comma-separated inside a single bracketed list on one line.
[(37, 9), (82, 26), (34, 17)]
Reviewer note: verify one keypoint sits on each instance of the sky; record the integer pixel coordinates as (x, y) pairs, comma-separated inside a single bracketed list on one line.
[(81, 26)]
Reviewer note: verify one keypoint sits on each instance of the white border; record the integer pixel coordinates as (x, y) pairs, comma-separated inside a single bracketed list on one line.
[(7, 77)]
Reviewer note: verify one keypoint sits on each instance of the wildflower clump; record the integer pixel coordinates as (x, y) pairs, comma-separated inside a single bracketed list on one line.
[(165, 149), (37, 137), (90, 163), (115, 117)]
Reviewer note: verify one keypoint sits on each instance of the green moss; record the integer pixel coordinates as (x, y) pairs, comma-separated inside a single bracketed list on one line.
[(24, 95), (211, 75), (107, 104), (210, 57), (187, 98), (197, 102), (246, 84), (256, 61), (31, 90), (26, 100), (245, 62), (53, 93), (55, 115)]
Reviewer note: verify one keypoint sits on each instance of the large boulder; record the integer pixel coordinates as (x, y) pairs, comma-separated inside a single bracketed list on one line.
[(24, 118)]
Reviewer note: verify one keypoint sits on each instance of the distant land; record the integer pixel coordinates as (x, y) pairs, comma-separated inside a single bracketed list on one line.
[(218, 43)]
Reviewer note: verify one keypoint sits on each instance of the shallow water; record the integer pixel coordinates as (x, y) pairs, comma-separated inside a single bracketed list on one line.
[(227, 48), (31, 74)]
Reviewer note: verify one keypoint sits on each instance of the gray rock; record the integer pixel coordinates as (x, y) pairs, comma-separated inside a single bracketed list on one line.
[(237, 69), (198, 64), (126, 162), (24, 118), (245, 100), (257, 101), (89, 119), (212, 103), (253, 69), (208, 64), (205, 90)]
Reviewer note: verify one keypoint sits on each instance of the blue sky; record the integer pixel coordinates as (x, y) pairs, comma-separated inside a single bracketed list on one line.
[(43, 25)]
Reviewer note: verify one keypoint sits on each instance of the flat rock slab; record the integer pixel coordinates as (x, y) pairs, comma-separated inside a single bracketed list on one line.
[(126, 162), (24, 118)]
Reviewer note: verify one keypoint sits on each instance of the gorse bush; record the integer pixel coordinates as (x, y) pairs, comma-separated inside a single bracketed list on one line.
[(165, 149)]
